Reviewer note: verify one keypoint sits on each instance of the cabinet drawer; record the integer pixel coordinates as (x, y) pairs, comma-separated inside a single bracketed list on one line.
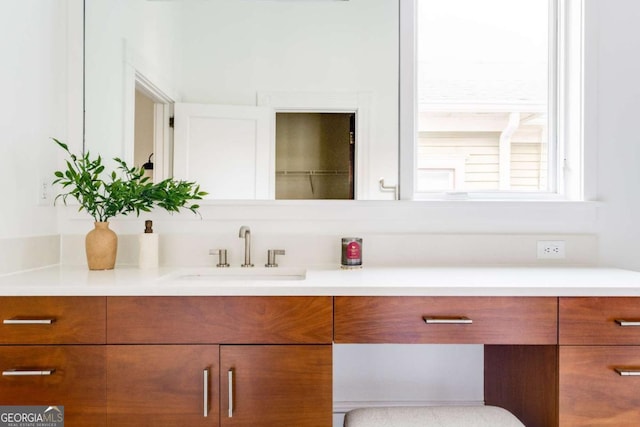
[(70, 376), (605, 321), (235, 320), (476, 320), (592, 393), (52, 320)]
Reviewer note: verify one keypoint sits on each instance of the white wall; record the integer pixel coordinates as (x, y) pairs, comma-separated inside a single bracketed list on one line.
[(33, 79), (122, 35), (617, 108)]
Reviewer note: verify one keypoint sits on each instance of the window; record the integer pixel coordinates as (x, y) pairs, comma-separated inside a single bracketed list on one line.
[(491, 98)]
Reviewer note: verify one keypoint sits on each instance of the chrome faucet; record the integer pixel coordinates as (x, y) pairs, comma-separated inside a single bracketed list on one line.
[(245, 233)]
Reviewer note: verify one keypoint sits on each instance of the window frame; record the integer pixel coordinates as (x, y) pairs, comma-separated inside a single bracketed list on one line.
[(566, 47)]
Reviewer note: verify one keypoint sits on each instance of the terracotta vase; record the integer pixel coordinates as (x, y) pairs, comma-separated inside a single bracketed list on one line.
[(101, 245)]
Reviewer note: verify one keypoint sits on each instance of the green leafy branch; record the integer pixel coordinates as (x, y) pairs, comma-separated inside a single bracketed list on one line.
[(123, 193)]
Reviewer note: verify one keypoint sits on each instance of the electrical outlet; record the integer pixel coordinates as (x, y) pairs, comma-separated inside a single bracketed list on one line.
[(44, 193), (551, 249)]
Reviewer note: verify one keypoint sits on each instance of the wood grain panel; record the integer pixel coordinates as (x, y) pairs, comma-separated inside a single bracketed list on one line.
[(592, 393), (78, 382), (78, 320), (224, 320), (496, 320), (162, 385), (524, 380), (585, 321), (277, 386)]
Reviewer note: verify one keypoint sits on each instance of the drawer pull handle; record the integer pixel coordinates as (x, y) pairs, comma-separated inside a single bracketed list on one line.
[(230, 374), (623, 322), (205, 392), (447, 320), (28, 372), (628, 372), (17, 321)]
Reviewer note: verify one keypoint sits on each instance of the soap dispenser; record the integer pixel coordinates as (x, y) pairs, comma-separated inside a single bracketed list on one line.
[(148, 247)]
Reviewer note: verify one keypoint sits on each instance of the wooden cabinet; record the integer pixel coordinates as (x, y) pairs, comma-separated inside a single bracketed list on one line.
[(276, 385), (228, 320), (445, 320), (592, 393), (156, 361), (520, 337), (601, 321), (599, 360), (162, 385), (265, 361), (65, 375), (524, 380), (52, 320), (52, 353), (278, 350)]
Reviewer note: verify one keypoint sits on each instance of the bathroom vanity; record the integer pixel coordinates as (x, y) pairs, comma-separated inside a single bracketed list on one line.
[(128, 347)]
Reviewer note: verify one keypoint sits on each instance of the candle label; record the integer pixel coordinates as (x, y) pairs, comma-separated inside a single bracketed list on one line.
[(351, 252)]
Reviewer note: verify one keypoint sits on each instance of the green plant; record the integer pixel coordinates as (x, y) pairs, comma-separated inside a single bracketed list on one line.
[(104, 197)]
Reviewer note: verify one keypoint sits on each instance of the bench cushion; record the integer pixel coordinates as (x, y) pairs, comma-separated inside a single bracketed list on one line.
[(432, 416)]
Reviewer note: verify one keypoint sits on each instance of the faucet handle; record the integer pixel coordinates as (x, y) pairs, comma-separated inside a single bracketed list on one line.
[(222, 257), (271, 257)]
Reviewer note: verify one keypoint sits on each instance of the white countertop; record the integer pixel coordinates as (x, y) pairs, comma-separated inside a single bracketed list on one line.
[(369, 281)]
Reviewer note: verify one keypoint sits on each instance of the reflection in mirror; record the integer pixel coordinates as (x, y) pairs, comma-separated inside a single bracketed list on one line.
[(228, 52), (144, 127), (315, 155)]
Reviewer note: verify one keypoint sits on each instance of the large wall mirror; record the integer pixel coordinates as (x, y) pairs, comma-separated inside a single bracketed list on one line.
[(248, 82)]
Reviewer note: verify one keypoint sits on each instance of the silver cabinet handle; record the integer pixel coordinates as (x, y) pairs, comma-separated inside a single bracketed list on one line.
[(447, 320), (27, 372), (230, 374), (17, 321), (205, 392), (623, 322), (628, 372)]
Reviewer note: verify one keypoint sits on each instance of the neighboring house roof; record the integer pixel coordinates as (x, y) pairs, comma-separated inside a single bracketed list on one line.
[(493, 86)]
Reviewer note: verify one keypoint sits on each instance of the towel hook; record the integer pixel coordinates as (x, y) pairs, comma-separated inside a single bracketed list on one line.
[(389, 188)]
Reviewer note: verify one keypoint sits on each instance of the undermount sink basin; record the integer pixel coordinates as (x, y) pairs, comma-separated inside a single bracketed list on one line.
[(244, 274)]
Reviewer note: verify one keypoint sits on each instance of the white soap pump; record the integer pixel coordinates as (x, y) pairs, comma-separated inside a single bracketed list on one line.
[(148, 248)]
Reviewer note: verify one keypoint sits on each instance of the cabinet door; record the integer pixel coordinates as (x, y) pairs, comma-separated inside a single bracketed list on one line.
[(68, 376), (599, 386), (276, 385), (162, 385), (226, 149)]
